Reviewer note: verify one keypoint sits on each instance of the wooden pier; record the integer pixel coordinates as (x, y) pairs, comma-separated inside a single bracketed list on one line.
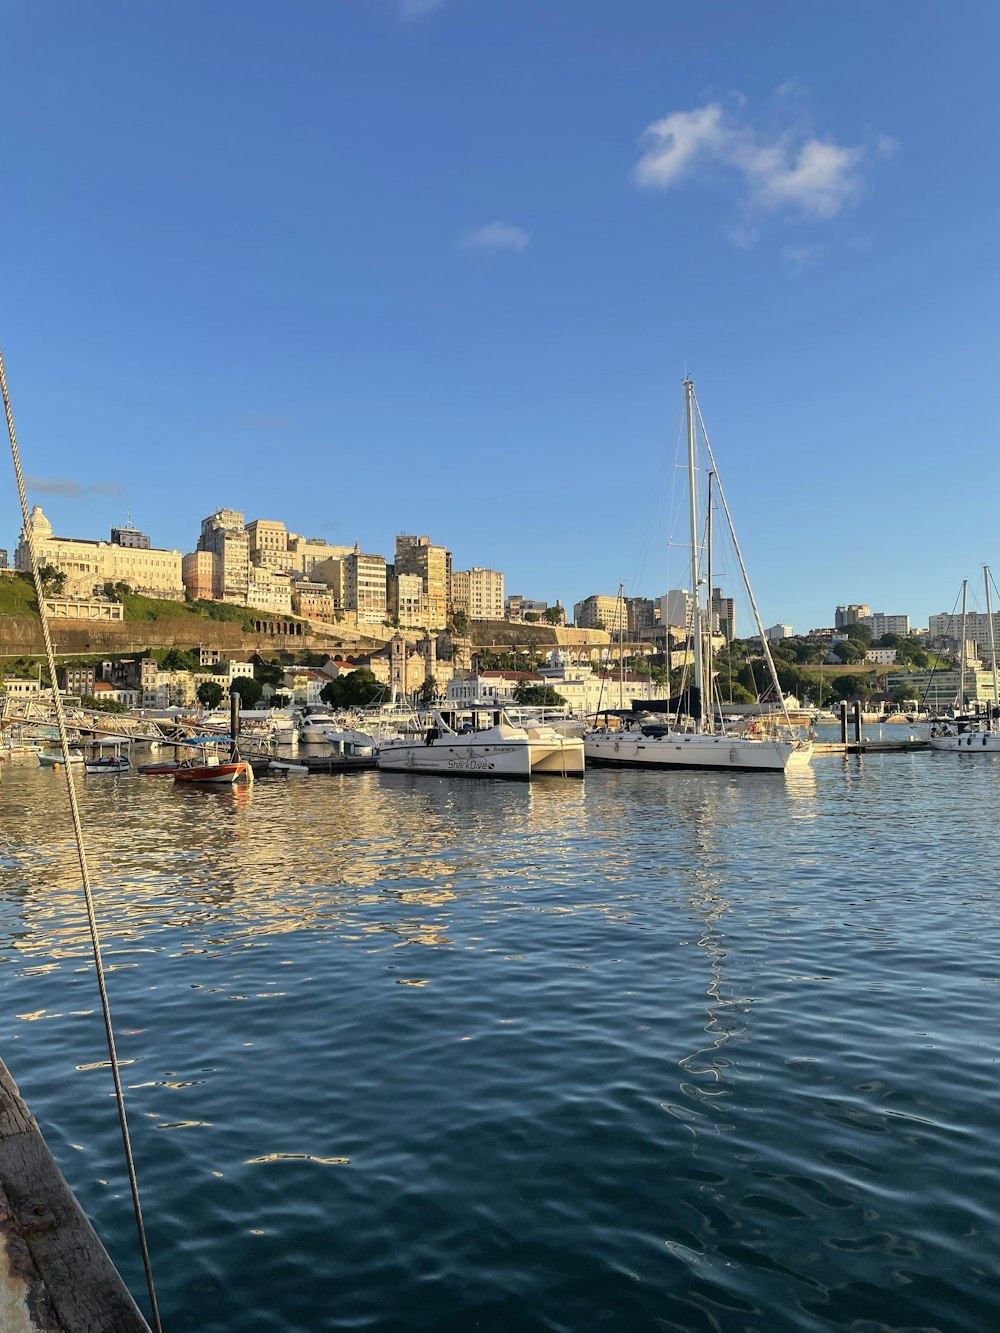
[(868, 747), (55, 1275)]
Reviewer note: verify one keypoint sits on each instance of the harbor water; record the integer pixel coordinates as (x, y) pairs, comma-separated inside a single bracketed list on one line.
[(639, 1052)]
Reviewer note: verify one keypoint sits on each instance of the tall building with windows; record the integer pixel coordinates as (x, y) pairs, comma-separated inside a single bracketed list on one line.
[(677, 609), (723, 615), (89, 565), (600, 612), (224, 537), (364, 585), (416, 555), (478, 592), (850, 615), (879, 623)]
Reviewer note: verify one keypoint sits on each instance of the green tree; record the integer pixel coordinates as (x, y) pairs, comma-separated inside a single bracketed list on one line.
[(532, 617), (845, 687), (248, 689), (354, 689), (536, 694), (860, 632), (460, 623), (210, 694), (176, 659), (851, 650), (904, 692), (281, 700), (553, 615), (53, 580), (428, 692)]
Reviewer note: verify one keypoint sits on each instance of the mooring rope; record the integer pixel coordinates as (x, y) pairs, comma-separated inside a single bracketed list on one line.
[(81, 851)]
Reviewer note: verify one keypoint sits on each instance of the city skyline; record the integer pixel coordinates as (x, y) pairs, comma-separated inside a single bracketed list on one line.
[(441, 268), (744, 620)]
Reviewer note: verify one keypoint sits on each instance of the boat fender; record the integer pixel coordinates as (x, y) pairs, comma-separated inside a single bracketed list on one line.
[(617, 747), (732, 755)]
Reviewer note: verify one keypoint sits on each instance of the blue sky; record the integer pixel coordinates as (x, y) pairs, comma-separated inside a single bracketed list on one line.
[(372, 266)]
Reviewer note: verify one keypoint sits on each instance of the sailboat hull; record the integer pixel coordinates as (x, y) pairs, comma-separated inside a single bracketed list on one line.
[(693, 750), (970, 742)]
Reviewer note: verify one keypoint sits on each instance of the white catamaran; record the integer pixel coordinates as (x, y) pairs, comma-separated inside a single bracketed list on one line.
[(702, 743)]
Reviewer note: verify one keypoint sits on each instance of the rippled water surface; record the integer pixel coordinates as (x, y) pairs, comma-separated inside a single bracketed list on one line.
[(648, 1051)]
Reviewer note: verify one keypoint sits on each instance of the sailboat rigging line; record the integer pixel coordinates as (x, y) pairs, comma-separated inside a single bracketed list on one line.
[(779, 693), (81, 851)]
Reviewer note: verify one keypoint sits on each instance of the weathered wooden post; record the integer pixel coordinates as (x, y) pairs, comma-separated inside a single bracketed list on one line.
[(843, 721), (857, 720), (234, 722)]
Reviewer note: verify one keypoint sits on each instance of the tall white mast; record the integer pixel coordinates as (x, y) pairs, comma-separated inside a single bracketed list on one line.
[(993, 646), (961, 656), (696, 607), (621, 646)]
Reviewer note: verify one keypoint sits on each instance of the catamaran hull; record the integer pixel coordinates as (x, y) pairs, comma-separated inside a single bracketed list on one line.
[(509, 759), (698, 751)]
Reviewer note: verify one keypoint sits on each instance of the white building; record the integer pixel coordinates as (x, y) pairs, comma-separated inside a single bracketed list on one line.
[(478, 592), (779, 632), (881, 656), (977, 629), (879, 623), (677, 608)]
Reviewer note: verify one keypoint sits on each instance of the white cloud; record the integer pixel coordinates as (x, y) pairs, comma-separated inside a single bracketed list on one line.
[(791, 171), (69, 487), (497, 236), (416, 9)]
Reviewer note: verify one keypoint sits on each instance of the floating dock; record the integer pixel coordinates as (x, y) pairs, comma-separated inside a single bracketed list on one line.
[(55, 1275), (868, 747)]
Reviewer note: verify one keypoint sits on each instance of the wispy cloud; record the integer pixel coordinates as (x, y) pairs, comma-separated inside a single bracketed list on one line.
[(416, 9), (67, 486), (496, 236), (789, 171)]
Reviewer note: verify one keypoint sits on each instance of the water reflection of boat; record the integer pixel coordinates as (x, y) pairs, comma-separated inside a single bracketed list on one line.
[(480, 742)]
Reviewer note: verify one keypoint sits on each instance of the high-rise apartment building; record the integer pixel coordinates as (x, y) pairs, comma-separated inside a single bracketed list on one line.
[(364, 584), (416, 555), (641, 613), (723, 615), (677, 609), (478, 592), (599, 612), (850, 615), (879, 623), (224, 537), (948, 627), (405, 597)]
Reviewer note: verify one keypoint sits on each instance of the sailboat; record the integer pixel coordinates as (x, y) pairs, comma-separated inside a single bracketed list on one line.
[(972, 735), (702, 744)]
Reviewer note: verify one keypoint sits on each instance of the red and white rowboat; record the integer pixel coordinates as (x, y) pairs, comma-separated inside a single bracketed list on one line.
[(213, 771)]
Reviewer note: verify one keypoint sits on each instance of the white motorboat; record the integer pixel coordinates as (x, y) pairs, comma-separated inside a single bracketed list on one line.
[(52, 758), (313, 724), (347, 741), (701, 742), (482, 743)]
